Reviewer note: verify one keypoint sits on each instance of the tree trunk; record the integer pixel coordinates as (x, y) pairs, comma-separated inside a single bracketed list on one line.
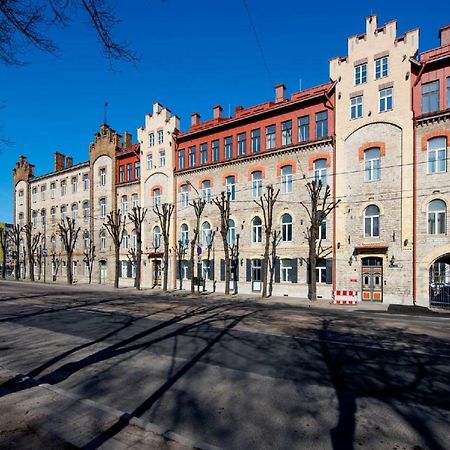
[(227, 270), (116, 273), (138, 267), (266, 263), (4, 265), (166, 265), (69, 268), (16, 267), (312, 291), (192, 263)]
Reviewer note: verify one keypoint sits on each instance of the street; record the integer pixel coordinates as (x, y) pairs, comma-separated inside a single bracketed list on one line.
[(230, 372)]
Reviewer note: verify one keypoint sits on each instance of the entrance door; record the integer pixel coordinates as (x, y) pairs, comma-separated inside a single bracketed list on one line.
[(156, 272), (372, 279), (256, 275), (440, 283), (103, 273)]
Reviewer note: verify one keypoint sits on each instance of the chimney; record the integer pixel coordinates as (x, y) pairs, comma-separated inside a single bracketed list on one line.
[(444, 35), (69, 162), (238, 110), (217, 112), (280, 92), (127, 140), (60, 161), (195, 119)]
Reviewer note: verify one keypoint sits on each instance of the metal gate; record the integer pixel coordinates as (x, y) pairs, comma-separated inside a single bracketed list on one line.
[(440, 283), (372, 279)]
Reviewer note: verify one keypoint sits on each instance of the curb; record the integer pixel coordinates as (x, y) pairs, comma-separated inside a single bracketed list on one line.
[(116, 413)]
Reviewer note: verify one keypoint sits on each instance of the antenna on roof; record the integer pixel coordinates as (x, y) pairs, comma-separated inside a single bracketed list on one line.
[(299, 84)]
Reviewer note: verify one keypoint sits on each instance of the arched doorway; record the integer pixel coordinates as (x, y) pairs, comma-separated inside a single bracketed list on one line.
[(103, 271), (372, 279), (440, 283)]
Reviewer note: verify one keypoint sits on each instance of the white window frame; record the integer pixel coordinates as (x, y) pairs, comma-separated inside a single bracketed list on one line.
[(370, 221), (103, 176), (286, 270), (381, 65), (257, 184), (356, 107), (162, 158), (372, 164), (184, 194), (286, 228), (150, 161), (360, 74), (230, 183), (320, 170), (437, 219), (384, 95), (286, 179), (256, 230), (437, 157)]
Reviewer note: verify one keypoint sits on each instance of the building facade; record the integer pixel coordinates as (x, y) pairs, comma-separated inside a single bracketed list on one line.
[(377, 133)]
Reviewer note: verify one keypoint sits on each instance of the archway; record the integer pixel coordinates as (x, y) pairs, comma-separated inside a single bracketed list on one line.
[(440, 283)]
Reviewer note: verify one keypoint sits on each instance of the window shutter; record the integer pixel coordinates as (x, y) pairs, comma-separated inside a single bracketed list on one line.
[(294, 271), (211, 269), (189, 269), (178, 269), (222, 270), (329, 270), (248, 269), (277, 269), (120, 268), (263, 269), (237, 269), (129, 269)]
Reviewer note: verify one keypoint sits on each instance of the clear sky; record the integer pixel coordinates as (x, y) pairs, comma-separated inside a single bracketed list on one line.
[(194, 54)]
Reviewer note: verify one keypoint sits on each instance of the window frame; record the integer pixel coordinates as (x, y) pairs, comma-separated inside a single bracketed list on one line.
[(372, 164), (381, 67), (356, 107), (360, 73), (386, 99), (371, 222), (286, 227), (286, 132), (436, 162), (256, 230), (437, 218), (271, 137), (287, 179), (257, 184)]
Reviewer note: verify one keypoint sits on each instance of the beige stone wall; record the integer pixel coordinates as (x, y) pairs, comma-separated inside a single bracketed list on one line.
[(243, 210), (393, 130)]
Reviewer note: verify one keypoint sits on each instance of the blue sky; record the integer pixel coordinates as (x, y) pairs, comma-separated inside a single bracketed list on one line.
[(194, 54)]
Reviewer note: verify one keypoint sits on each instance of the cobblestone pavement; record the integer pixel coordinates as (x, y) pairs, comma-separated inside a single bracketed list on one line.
[(91, 367)]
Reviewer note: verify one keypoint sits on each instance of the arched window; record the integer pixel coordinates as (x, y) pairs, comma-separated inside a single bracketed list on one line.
[(125, 240), (184, 234), (63, 213), (156, 197), (286, 228), (124, 205), (86, 239), (230, 183), (256, 230), (286, 179), (437, 155), (231, 233), (256, 184), (206, 190), (85, 211), (103, 239), (372, 164), (74, 211), (135, 200), (184, 195), (320, 171), (206, 234), (156, 237), (437, 212), (372, 221)]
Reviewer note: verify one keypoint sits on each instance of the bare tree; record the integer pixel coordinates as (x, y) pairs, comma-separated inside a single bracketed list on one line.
[(266, 202), (180, 252), (209, 247), (223, 205), (115, 225), (89, 257), (69, 235), (25, 24), (199, 205), (319, 207), (275, 242), (39, 258), (3, 240), (16, 234), (137, 216), (164, 213), (56, 262), (31, 242), (234, 256)]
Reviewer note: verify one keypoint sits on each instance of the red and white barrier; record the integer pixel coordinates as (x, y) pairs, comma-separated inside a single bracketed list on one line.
[(344, 297)]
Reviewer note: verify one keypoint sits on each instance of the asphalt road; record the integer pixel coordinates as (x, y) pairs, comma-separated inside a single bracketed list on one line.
[(237, 374)]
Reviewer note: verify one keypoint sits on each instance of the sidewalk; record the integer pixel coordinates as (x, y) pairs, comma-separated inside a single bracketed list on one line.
[(41, 416)]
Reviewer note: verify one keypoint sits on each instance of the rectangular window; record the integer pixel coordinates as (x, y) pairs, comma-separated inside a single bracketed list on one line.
[(103, 177), (151, 139), (228, 147), (303, 129), (270, 137), (286, 270), (286, 132), (137, 169), (85, 181), (204, 153), (215, 150), (231, 187), (52, 190), (321, 124), (181, 157), (63, 188), (242, 143), (162, 158), (437, 155), (356, 107), (160, 136), (192, 159), (361, 73), (43, 189), (129, 171), (121, 174), (430, 97), (323, 230), (150, 160), (256, 140), (381, 67), (321, 271), (386, 99), (372, 169), (74, 185), (34, 194)]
